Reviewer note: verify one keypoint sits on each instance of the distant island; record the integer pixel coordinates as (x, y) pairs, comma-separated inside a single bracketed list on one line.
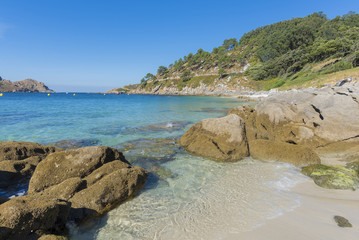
[(27, 85), (297, 53)]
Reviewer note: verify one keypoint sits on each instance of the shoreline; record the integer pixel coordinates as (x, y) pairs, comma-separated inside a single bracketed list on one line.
[(313, 219)]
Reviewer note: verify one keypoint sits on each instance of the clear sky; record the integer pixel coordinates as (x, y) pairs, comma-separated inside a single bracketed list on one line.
[(86, 45)]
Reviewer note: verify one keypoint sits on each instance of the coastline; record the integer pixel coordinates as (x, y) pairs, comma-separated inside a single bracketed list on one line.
[(313, 219)]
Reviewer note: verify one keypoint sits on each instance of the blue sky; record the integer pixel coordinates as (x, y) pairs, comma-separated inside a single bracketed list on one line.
[(85, 45)]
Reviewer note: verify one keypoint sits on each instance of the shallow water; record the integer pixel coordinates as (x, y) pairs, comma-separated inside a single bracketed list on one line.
[(185, 197)]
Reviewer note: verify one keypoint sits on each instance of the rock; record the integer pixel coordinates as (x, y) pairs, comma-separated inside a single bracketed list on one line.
[(105, 170), (107, 193), (27, 85), (282, 152), (92, 179), (12, 171), (342, 222), (59, 166), (52, 237), (312, 117), (74, 143), (3, 200), (222, 138), (18, 160), (329, 115), (332, 177), (22, 216), (14, 150)]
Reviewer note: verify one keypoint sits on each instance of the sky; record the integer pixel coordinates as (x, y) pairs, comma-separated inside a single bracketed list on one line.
[(90, 46)]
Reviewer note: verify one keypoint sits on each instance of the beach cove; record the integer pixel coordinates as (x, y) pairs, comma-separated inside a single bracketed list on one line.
[(185, 196)]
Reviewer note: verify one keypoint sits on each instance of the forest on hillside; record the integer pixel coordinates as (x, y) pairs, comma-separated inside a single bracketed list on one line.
[(279, 50)]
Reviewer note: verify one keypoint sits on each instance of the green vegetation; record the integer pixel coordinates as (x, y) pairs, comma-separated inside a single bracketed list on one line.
[(282, 54)]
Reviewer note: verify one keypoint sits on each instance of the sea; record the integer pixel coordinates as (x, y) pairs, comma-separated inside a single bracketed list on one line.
[(185, 196)]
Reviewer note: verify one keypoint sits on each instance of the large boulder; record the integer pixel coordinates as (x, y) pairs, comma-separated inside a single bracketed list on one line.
[(93, 179), (22, 217), (312, 117), (282, 152), (333, 177), (14, 150), (221, 138), (59, 166)]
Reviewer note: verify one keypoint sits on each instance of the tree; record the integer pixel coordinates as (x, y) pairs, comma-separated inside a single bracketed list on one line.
[(161, 70), (229, 44), (186, 76), (221, 72)]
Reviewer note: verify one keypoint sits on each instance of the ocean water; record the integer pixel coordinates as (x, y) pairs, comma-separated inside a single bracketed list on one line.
[(186, 196)]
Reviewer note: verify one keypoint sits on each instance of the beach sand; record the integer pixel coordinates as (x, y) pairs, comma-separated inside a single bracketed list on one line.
[(313, 219)]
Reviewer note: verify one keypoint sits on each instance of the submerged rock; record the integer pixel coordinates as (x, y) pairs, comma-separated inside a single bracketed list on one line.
[(152, 150), (75, 143), (342, 221), (151, 128), (222, 138), (282, 152), (332, 177), (165, 126)]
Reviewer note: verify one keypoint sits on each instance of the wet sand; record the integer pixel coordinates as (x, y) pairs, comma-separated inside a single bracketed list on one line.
[(313, 219)]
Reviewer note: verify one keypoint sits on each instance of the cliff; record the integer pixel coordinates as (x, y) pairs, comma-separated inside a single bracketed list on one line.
[(27, 85)]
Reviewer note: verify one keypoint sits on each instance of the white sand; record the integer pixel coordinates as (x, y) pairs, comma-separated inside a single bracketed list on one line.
[(314, 218)]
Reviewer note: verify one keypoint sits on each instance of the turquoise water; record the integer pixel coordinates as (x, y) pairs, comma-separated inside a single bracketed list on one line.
[(186, 196), (110, 119)]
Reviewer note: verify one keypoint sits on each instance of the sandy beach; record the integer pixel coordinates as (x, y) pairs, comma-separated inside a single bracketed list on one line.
[(314, 218)]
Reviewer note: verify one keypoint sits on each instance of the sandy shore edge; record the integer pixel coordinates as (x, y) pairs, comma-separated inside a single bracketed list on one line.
[(313, 219)]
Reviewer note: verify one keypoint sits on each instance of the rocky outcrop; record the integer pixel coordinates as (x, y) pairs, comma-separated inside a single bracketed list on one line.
[(62, 165), (312, 117), (283, 152), (333, 177), (222, 138), (27, 85), (14, 150), (287, 126), (70, 185), (18, 160), (92, 179)]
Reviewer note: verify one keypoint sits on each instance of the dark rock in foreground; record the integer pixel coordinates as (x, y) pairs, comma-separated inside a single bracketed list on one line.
[(70, 185), (342, 221), (29, 215)]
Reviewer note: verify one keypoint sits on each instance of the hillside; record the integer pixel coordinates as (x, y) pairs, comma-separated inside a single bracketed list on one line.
[(292, 53), (27, 85)]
